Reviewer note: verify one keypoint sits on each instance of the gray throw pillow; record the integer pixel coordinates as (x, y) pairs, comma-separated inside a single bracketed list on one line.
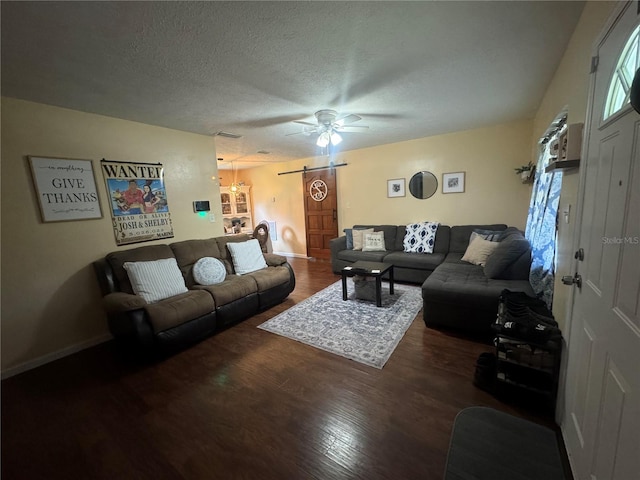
[(348, 232), (491, 235), (510, 231), (508, 252)]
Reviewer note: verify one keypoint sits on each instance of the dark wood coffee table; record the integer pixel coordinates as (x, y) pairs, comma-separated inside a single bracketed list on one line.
[(368, 269)]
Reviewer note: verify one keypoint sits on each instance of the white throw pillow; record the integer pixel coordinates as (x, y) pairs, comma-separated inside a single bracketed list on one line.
[(358, 237), (247, 256), (373, 242), (479, 250), (420, 237), (156, 280), (209, 271)]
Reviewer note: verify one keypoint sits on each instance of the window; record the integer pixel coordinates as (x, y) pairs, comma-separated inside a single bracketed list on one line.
[(541, 230), (620, 86)]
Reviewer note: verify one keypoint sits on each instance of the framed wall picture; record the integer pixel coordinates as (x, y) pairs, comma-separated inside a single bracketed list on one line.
[(396, 187), (66, 189), (138, 200), (453, 182)]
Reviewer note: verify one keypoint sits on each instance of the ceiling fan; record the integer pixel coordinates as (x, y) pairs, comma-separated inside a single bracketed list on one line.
[(328, 125)]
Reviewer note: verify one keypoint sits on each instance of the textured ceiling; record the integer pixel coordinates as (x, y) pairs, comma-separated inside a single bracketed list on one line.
[(409, 69)]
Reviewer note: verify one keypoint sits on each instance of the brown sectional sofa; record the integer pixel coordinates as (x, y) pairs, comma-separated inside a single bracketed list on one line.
[(183, 319)]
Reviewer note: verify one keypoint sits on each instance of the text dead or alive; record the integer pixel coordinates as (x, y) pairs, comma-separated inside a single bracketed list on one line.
[(621, 240)]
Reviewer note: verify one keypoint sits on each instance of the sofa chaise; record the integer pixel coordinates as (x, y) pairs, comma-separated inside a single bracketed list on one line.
[(197, 310), (456, 294)]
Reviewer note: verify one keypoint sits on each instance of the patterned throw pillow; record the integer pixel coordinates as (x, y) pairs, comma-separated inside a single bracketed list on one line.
[(209, 271), (247, 256), (420, 237), (155, 280), (358, 237), (373, 242)]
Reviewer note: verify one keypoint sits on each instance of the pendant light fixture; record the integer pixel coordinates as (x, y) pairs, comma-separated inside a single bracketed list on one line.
[(234, 188)]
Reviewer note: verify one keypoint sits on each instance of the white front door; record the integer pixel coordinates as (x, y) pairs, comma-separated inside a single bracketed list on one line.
[(601, 421)]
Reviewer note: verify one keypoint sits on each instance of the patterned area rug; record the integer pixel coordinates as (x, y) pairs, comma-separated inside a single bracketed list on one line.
[(355, 329)]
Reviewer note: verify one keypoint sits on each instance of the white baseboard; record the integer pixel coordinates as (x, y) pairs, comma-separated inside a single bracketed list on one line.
[(294, 255), (50, 357)]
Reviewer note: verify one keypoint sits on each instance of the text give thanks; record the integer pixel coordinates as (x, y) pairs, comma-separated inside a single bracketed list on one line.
[(66, 189)]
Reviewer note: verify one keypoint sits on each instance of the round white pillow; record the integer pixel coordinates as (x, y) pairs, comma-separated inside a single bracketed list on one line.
[(209, 271)]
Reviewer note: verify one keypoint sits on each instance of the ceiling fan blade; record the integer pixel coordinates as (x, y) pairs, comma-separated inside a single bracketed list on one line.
[(306, 123), (384, 116), (307, 129), (347, 119), (264, 122), (352, 128)]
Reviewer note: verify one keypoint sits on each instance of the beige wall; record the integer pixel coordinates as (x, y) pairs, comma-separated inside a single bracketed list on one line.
[(50, 297), (570, 87), (279, 198), (488, 156)]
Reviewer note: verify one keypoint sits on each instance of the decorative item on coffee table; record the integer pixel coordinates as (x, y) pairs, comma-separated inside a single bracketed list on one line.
[(367, 269)]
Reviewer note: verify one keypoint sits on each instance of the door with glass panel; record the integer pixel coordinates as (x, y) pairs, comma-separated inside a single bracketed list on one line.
[(601, 421)]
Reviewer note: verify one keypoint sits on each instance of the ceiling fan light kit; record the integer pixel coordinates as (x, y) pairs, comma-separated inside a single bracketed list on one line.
[(323, 140), (327, 137), (329, 123)]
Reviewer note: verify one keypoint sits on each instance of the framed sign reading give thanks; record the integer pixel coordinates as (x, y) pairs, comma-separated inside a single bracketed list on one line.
[(66, 189)]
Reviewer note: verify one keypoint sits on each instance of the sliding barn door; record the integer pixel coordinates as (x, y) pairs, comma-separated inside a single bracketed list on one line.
[(321, 211)]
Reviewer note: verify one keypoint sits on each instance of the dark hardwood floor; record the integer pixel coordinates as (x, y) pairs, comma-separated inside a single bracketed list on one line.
[(245, 404)]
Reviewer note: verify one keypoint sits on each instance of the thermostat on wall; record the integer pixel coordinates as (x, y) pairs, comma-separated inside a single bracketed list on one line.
[(201, 206)]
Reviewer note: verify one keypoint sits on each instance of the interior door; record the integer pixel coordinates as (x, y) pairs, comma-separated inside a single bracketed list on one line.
[(601, 424), (321, 211)]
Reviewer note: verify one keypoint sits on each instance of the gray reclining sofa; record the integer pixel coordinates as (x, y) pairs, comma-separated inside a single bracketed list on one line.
[(456, 295)]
